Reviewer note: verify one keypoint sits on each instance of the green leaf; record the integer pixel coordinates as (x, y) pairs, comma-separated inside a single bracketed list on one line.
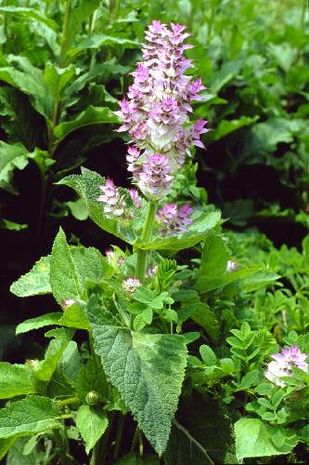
[(90, 116), (208, 355), (31, 82), (91, 378), (16, 380), (11, 156), (55, 349), (78, 209), (264, 137), (72, 267), (147, 369), (227, 72), (97, 41), (259, 443), (5, 445), (41, 321), (213, 261), (16, 454), (74, 317), (34, 414), (92, 423), (35, 282), (29, 13), (11, 225), (228, 126), (87, 186), (202, 225)]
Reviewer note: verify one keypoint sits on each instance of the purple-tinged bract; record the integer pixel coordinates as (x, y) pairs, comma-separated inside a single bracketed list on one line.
[(174, 219)]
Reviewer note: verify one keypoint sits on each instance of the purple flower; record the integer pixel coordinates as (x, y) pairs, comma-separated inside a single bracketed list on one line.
[(131, 284), (174, 220), (283, 363), (155, 179), (113, 201), (157, 109)]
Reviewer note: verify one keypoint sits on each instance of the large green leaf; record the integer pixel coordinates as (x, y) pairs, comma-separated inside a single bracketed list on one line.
[(34, 414), (147, 369), (255, 438), (92, 115), (35, 282), (16, 380), (29, 80), (11, 156), (87, 186), (72, 267), (92, 423)]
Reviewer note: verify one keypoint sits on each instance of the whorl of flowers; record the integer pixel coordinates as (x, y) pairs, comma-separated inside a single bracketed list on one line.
[(158, 104), (155, 179), (113, 201), (283, 363), (174, 219), (131, 284)]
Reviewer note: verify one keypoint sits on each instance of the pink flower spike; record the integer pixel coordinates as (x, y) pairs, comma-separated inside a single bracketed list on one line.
[(156, 111)]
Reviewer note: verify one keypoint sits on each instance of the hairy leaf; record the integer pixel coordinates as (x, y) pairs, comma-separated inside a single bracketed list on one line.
[(72, 267), (55, 349), (35, 282), (147, 369), (49, 319), (92, 423), (16, 380), (34, 414)]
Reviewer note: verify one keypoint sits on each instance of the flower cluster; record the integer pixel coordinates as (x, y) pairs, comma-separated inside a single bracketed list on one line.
[(156, 112), (283, 364), (174, 219), (111, 198), (131, 284)]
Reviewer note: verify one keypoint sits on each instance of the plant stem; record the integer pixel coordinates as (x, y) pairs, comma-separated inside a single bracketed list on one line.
[(119, 435), (134, 440), (142, 254), (65, 30)]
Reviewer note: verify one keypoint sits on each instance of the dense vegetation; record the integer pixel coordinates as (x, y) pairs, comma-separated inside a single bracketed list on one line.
[(182, 365)]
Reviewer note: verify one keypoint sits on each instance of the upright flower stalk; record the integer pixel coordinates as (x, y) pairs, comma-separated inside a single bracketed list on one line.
[(156, 113)]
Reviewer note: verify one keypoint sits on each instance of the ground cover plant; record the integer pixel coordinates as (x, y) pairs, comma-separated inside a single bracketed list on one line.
[(178, 333)]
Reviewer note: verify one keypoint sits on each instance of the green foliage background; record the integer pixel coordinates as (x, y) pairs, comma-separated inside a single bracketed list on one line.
[(63, 67)]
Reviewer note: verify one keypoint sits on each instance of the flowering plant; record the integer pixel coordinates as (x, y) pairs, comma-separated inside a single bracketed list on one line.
[(140, 312)]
